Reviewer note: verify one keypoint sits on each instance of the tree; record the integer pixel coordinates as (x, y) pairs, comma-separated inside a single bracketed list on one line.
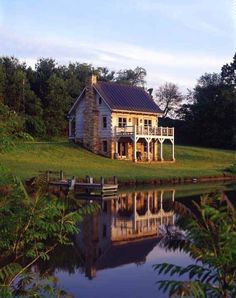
[(45, 67), (2, 83), (134, 77), (169, 98), (208, 235), (32, 226), (228, 73), (11, 128), (33, 113), (56, 105), (104, 74), (12, 79), (210, 118)]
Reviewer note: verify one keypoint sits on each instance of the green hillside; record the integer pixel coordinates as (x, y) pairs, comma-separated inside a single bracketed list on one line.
[(28, 159)]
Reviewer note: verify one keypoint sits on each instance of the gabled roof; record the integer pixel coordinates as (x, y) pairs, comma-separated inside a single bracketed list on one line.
[(122, 97), (126, 97), (76, 102)]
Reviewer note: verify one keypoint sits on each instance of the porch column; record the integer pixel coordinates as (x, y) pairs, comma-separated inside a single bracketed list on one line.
[(154, 151), (161, 150), (116, 146), (134, 145), (148, 150), (173, 149)]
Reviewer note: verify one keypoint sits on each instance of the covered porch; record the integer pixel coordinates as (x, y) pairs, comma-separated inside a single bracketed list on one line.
[(143, 143)]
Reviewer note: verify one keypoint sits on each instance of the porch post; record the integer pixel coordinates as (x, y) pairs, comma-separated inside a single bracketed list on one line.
[(156, 150), (148, 149), (173, 149), (153, 150), (116, 144), (161, 150), (134, 145)]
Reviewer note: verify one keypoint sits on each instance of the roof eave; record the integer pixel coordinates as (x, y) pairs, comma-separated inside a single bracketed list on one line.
[(102, 97), (136, 112), (76, 102)]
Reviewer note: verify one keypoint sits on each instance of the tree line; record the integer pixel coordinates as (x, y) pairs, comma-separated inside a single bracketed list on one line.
[(38, 100), (43, 96), (206, 116)]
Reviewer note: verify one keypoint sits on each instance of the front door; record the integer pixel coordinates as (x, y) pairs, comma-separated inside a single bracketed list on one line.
[(122, 149)]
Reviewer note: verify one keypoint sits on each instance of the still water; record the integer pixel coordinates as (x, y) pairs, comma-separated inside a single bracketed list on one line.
[(115, 251)]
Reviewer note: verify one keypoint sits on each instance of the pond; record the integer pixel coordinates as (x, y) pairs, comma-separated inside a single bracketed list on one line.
[(114, 253)]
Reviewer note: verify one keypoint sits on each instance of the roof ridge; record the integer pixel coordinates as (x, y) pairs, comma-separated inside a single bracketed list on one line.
[(122, 84)]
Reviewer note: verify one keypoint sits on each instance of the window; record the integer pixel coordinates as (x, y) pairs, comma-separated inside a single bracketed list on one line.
[(104, 146), (147, 123), (122, 122), (100, 100), (104, 122)]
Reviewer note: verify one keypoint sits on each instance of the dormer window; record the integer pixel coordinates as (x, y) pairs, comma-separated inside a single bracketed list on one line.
[(100, 100)]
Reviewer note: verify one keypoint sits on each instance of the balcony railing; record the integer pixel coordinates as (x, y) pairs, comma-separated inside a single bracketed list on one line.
[(144, 131)]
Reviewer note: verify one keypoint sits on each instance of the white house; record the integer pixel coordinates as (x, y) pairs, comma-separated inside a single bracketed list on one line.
[(118, 121)]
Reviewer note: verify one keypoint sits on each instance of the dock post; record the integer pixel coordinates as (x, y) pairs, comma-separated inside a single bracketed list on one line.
[(61, 175), (102, 184), (89, 179), (115, 180), (47, 176), (72, 183)]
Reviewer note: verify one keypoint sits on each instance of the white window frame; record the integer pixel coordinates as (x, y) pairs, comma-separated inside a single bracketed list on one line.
[(147, 123), (122, 121)]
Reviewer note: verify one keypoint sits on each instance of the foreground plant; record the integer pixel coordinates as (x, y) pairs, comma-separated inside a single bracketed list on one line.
[(209, 236), (31, 226)]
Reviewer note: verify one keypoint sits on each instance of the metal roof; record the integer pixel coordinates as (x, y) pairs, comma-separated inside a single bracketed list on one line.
[(126, 97)]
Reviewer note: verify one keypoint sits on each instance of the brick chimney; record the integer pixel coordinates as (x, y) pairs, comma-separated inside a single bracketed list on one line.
[(91, 117)]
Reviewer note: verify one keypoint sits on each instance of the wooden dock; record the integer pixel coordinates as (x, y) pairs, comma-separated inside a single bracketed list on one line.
[(88, 187)]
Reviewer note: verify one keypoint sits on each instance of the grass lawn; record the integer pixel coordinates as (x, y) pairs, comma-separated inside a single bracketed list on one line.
[(27, 160)]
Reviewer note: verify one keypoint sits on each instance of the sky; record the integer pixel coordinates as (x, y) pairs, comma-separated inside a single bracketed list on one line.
[(174, 40)]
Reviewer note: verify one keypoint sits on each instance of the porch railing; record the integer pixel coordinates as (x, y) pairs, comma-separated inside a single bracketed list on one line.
[(144, 131)]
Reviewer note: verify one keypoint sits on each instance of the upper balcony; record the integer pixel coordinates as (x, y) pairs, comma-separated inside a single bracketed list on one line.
[(144, 132)]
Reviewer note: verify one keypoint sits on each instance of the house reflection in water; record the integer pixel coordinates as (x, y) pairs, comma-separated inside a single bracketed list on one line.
[(125, 229)]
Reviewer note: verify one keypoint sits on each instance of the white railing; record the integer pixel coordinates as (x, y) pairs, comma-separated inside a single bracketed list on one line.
[(144, 131)]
